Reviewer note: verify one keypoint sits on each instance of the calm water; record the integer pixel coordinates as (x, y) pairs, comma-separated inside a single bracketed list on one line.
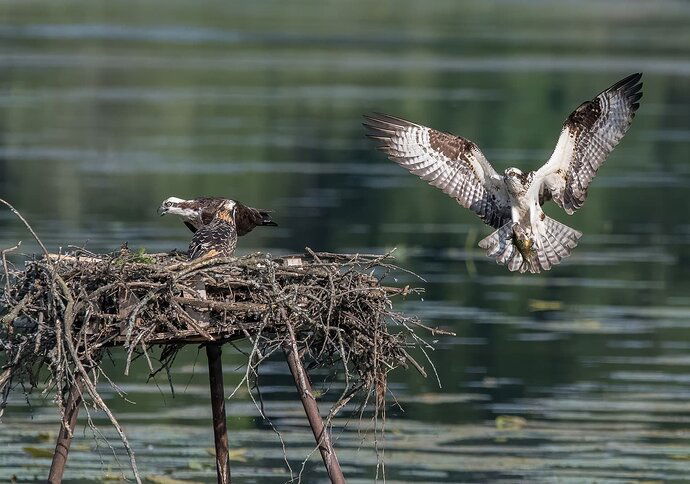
[(108, 108)]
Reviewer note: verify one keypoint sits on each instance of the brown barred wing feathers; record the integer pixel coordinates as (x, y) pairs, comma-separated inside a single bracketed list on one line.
[(451, 163), (589, 135)]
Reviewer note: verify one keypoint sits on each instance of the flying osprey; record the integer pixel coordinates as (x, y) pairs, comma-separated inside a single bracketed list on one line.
[(216, 239), (525, 239), (202, 211)]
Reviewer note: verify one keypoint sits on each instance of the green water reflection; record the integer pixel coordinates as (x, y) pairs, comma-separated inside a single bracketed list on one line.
[(108, 108)]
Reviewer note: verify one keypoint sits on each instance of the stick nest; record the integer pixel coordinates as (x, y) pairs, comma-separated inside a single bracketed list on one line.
[(63, 312)]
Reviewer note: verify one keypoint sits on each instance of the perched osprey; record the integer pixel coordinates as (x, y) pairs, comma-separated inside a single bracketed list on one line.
[(525, 239), (202, 211), (216, 239)]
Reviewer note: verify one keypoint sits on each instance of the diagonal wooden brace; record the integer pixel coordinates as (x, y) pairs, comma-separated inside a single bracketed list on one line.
[(306, 394)]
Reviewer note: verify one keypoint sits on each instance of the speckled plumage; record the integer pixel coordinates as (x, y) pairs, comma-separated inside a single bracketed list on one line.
[(525, 239), (217, 239)]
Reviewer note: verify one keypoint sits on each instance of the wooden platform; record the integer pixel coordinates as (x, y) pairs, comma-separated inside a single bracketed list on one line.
[(70, 307)]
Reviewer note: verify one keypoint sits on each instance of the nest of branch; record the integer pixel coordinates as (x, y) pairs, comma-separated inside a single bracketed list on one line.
[(63, 312)]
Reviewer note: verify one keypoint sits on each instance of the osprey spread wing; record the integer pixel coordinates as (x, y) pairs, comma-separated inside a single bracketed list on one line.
[(451, 163), (525, 239)]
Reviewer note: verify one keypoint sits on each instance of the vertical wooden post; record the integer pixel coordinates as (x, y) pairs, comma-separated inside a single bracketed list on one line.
[(220, 430), (64, 439), (321, 435)]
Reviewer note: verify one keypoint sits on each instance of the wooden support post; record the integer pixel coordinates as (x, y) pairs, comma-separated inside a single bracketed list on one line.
[(321, 435), (64, 439), (220, 430)]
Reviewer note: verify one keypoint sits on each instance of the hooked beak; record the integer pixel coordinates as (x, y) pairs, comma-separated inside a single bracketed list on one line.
[(162, 210)]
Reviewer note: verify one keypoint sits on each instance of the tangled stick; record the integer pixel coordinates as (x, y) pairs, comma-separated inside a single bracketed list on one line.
[(68, 317)]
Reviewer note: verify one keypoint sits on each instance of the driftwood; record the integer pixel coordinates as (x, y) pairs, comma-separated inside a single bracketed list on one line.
[(62, 312)]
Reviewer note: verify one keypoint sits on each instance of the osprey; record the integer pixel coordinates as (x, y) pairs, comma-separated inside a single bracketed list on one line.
[(202, 211), (216, 239), (525, 239)]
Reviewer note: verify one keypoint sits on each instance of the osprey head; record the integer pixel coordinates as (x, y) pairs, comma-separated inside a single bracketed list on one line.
[(514, 178), (186, 209), (512, 172)]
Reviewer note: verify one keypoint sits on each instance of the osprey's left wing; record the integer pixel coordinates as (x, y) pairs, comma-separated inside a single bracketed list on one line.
[(451, 163), (246, 218), (589, 134)]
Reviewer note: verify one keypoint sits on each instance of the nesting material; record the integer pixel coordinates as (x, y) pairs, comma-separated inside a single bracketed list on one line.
[(62, 312)]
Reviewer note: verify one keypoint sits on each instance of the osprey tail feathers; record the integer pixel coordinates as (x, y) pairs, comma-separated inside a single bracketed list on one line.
[(545, 247)]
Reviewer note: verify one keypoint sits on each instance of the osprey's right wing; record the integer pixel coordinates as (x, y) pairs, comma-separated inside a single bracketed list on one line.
[(451, 163)]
